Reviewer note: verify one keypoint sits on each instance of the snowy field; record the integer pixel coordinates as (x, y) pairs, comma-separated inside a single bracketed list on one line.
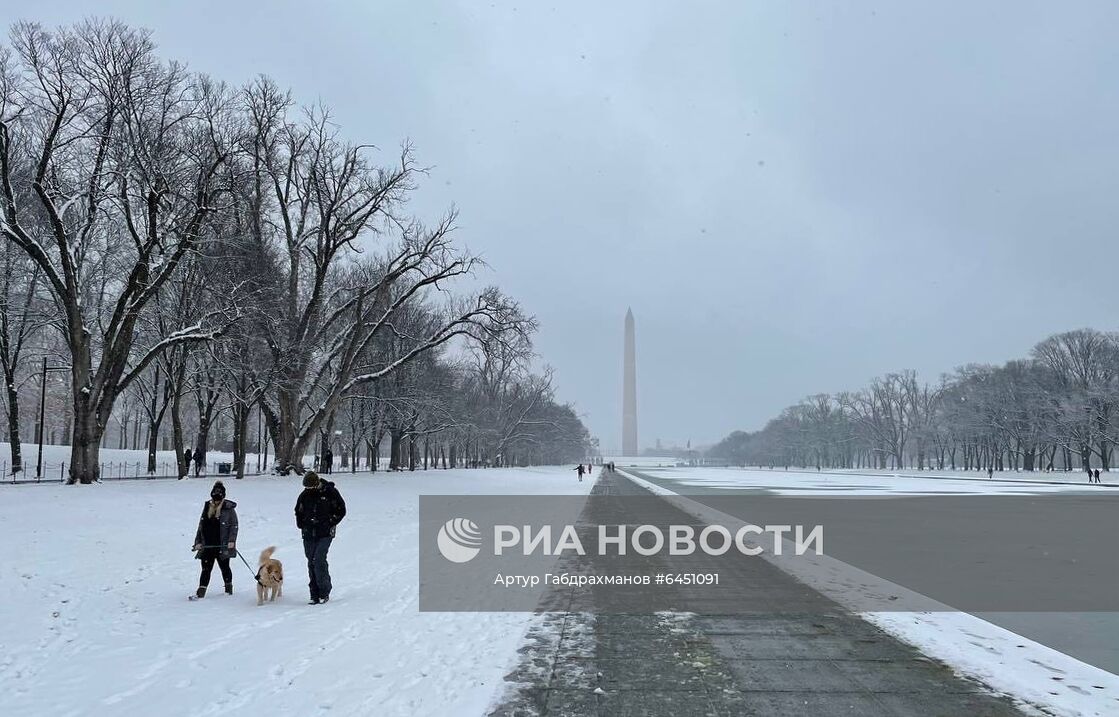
[(640, 461), (96, 621), (1062, 477), (851, 483)]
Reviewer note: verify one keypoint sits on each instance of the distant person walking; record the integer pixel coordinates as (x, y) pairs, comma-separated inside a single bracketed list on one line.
[(187, 458), (318, 511), (328, 461), (1096, 473), (199, 462), (579, 468), (216, 539), (990, 472)]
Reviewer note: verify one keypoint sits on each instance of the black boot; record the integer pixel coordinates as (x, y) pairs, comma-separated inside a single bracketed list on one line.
[(201, 593), (229, 588)]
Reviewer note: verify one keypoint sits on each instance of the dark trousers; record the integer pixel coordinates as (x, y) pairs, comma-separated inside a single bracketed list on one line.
[(317, 568), (208, 567)]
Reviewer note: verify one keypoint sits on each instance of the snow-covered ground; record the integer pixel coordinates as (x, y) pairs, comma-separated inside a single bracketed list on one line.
[(852, 483), (96, 621), (1033, 673), (1071, 477), (640, 461)]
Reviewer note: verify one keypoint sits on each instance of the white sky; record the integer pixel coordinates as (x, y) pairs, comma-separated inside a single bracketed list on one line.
[(792, 197)]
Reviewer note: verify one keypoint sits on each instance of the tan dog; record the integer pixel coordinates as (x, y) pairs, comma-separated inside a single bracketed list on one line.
[(269, 577)]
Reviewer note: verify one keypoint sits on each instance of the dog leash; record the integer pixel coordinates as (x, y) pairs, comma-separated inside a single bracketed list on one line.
[(256, 575)]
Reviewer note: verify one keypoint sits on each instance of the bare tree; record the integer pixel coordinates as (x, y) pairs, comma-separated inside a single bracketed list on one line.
[(108, 172), (317, 200), (19, 321)]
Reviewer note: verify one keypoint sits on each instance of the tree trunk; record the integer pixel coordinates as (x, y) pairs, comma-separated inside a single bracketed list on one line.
[(178, 444), (85, 452), (122, 438), (286, 458), (205, 421), (395, 437), (13, 422), (156, 418), (240, 437), (200, 446)]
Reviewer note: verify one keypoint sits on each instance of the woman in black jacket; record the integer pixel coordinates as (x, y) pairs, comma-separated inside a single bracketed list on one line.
[(216, 539)]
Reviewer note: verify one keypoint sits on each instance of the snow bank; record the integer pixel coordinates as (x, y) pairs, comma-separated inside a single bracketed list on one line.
[(96, 620)]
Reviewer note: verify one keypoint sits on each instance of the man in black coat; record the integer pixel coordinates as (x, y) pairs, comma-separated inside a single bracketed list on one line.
[(318, 511)]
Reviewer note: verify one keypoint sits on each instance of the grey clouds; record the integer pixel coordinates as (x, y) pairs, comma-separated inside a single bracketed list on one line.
[(792, 198)]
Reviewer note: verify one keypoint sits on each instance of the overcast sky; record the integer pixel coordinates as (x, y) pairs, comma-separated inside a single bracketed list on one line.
[(792, 197)]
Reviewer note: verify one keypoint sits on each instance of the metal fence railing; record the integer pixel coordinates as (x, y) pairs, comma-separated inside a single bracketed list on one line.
[(113, 470), (138, 470)]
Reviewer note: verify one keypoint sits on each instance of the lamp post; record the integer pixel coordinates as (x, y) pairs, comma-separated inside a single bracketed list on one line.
[(42, 411)]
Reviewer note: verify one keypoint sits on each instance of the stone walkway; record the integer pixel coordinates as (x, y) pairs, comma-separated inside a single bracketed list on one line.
[(794, 653)]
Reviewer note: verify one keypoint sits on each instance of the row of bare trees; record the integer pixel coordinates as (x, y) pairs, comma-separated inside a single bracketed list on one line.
[(1056, 410), (198, 251)]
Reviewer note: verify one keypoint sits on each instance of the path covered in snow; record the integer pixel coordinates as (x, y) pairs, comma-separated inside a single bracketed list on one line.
[(781, 649), (1064, 663), (96, 620)]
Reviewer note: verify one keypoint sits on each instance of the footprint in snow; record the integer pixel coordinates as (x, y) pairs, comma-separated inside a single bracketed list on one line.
[(1048, 667)]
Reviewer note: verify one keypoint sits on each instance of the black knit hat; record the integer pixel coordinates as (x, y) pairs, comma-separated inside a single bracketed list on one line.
[(311, 479), (218, 491)]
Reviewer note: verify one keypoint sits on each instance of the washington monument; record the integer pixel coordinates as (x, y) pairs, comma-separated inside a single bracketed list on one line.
[(629, 392)]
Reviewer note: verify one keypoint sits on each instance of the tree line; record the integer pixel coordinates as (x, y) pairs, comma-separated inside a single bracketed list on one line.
[(195, 254), (1058, 409)]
